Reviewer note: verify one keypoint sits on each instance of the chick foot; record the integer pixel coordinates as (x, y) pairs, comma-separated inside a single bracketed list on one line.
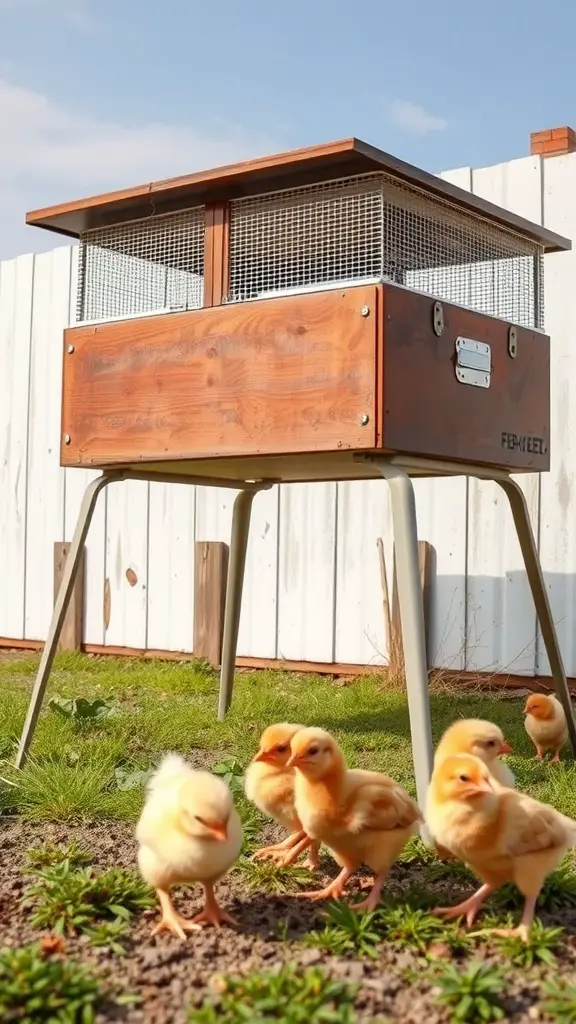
[(171, 921), (312, 862), (212, 912), (277, 850), (333, 891), (469, 908), (556, 758), (373, 898), (523, 929)]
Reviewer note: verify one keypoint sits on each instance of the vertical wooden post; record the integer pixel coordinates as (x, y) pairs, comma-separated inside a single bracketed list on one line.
[(210, 573), (396, 654), (71, 635)]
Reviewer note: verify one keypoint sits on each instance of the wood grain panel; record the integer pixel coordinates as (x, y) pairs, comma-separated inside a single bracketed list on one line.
[(216, 253), (288, 374), (427, 411)]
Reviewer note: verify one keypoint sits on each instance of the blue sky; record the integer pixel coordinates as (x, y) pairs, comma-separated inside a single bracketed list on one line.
[(99, 94)]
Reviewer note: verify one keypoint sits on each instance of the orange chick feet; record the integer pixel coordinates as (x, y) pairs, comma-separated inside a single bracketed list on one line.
[(468, 909), (333, 891), (171, 921), (213, 913), (373, 898)]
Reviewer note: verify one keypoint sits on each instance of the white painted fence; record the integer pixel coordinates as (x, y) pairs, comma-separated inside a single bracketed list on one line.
[(312, 588)]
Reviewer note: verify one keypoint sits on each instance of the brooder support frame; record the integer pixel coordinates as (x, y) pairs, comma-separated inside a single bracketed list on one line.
[(397, 471)]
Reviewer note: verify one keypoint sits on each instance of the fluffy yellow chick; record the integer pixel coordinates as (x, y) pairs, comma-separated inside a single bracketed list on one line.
[(269, 784), (502, 835), (189, 831), (362, 817), (481, 738), (545, 724)]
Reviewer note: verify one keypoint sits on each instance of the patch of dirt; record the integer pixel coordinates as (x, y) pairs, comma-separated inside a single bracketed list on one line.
[(171, 976)]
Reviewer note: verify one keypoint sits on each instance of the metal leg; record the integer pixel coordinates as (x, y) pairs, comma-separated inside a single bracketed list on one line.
[(412, 617), (60, 608), (519, 508), (234, 583)]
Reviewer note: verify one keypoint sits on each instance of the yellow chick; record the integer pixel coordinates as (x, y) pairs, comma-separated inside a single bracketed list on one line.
[(362, 817), (188, 831), (481, 738), (269, 784), (545, 724), (502, 835)]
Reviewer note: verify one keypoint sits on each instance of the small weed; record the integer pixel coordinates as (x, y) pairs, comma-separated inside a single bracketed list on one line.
[(35, 988), (473, 994), (560, 1001), (266, 877), (292, 995), (417, 852), (108, 935), (47, 854), (347, 932), (232, 773), (540, 948), (80, 711), (128, 779), (412, 929), (69, 900)]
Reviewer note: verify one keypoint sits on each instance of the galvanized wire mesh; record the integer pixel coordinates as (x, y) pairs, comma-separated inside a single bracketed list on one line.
[(142, 266), (372, 227)]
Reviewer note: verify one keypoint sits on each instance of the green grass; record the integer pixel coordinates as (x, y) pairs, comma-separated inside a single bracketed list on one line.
[(100, 769)]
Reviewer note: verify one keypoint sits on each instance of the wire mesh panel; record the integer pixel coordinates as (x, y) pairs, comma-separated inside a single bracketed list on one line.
[(372, 227), (142, 266)]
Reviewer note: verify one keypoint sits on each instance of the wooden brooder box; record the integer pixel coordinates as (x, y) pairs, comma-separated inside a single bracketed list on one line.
[(277, 318)]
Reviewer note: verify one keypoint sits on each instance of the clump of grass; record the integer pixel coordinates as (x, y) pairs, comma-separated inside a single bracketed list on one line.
[(65, 789), (108, 935), (35, 988), (267, 877), (47, 854), (292, 995), (473, 994), (560, 1001), (71, 900), (346, 931), (539, 949), (415, 929)]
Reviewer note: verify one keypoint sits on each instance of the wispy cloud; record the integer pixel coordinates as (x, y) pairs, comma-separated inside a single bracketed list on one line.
[(51, 153), (412, 117)]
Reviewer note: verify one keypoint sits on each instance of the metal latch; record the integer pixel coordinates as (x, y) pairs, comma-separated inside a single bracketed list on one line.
[(473, 362)]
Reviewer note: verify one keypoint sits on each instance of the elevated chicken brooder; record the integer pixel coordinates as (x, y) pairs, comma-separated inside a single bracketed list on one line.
[(326, 314)]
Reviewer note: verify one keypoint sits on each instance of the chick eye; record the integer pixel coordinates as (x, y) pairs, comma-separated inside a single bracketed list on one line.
[(282, 748), (201, 820), (313, 750), (464, 778), (491, 743)]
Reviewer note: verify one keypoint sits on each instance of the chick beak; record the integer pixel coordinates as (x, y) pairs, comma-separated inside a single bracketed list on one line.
[(264, 756), (483, 786), (505, 748), (219, 832), (294, 760)]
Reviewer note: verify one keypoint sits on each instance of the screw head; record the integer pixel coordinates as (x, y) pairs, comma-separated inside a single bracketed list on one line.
[(67, 438), (364, 419), (365, 311), (70, 349)]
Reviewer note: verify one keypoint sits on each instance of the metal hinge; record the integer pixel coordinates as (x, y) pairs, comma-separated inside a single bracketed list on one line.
[(473, 362)]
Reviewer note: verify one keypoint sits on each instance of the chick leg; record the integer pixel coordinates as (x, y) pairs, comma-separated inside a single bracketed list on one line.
[(333, 891), (556, 758), (523, 929), (469, 907), (286, 859), (171, 921), (277, 850), (374, 896), (539, 752), (213, 913), (311, 861)]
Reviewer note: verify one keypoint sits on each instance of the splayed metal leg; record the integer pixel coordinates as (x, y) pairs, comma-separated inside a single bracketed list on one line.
[(412, 617), (60, 608), (234, 584), (527, 542)]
